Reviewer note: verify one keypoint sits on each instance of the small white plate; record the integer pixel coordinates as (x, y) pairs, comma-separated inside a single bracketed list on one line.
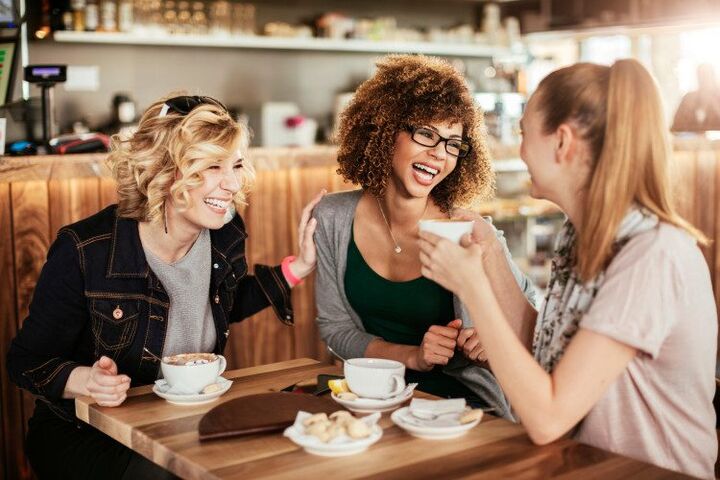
[(161, 390), (372, 405), (340, 447), (444, 427)]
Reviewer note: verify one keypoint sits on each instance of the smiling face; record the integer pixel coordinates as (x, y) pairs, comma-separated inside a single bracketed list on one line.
[(417, 169), (209, 202), (537, 150)]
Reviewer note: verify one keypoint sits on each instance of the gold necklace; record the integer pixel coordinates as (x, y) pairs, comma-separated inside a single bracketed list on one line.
[(398, 248)]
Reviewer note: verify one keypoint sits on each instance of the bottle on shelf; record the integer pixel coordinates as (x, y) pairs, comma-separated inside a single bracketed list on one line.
[(108, 16), (78, 13), (125, 15), (92, 16)]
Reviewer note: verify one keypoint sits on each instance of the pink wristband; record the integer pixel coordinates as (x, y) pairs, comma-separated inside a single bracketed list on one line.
[(285, 266)]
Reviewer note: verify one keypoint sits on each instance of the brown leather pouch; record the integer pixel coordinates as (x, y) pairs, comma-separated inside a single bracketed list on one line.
[(263, 412)]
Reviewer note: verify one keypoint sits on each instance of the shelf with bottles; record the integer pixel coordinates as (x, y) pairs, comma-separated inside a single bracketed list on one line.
[(225, 24), (282, 43)]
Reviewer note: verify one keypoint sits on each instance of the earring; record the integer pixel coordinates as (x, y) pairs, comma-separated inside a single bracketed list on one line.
[(165, 218)]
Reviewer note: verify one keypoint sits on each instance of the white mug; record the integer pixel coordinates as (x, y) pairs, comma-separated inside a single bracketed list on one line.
[(191, 379), (375, 377), (453, 230)]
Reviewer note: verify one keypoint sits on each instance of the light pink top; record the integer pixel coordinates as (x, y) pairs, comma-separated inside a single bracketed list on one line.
[(657, 297)]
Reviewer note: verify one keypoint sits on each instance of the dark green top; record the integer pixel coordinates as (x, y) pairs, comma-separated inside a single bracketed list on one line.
[(401, 312)]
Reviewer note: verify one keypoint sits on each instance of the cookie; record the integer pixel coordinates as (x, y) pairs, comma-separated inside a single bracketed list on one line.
[(471, 415), (213, 387)]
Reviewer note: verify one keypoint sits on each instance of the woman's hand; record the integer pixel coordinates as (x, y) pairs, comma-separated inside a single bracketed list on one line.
[(483, 232), (105, 385), (305, 262), (455, 267), (437, 347), (469, 342)]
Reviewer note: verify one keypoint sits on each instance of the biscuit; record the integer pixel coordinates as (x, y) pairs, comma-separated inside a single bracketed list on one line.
[(471, 415), (358, 429), (347, 396), (213, 387), (318, 417)]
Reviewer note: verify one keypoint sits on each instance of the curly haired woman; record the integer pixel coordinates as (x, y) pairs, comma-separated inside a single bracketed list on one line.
[(163, 272), (412, 138)]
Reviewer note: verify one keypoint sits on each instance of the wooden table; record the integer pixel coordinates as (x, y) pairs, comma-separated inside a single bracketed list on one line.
[(167, 435)]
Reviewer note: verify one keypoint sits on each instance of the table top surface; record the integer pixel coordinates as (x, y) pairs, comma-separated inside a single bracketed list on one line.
[(167, 434)]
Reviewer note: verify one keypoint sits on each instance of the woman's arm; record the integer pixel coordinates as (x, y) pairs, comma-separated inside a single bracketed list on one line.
[(512, 289), (39, 357), (547, 404)]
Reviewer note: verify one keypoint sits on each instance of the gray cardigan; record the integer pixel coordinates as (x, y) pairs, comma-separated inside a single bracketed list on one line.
[(341, 327)]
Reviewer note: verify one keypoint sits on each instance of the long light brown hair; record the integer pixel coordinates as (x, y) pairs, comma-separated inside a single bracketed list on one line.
[(618, 112)]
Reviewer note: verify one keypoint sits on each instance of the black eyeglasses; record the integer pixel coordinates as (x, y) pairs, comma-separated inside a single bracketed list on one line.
[(187, 103), (430, 138)]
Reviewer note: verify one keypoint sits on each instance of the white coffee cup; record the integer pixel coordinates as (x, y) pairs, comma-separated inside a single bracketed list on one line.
[(375, 377), (191, 379), (453, 230)]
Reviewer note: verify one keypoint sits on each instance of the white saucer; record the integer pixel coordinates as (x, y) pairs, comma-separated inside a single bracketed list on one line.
[(161, 390), (444, 427), (372, 405), (336, 448)]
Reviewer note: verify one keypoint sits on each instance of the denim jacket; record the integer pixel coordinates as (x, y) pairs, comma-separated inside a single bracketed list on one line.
[(96, 295)]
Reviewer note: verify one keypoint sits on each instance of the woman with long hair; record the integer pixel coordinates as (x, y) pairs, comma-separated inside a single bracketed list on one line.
[(623, 355)]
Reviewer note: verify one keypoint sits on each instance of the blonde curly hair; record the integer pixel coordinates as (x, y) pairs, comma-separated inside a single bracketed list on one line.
[(165, 157), (413, 90)]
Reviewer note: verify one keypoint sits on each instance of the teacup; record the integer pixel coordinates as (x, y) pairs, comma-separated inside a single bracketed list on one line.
[(448, 228), (189, 373), (375, 377)]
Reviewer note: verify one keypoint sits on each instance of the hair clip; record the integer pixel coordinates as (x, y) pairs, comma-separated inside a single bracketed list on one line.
[(164, 110)]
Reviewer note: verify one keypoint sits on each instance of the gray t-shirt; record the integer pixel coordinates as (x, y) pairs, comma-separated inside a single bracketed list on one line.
[(657, 297), (190, 325)]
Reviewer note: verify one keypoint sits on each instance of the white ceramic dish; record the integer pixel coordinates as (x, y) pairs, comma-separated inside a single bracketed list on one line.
[(441, 428), (161, 390), (372, 405), (337, 448)]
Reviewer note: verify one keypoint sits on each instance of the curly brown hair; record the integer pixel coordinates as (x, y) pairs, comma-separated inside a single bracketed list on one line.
[(413, 90)]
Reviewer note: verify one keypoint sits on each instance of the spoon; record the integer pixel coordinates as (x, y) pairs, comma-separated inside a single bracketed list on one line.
[(152, 354), (422, 415), (335, 353)]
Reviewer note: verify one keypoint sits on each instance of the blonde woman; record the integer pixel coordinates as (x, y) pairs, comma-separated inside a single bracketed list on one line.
[(624, 349), (163, 272)]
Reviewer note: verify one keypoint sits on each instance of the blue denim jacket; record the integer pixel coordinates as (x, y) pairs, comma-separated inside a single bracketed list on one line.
[(96, 295)]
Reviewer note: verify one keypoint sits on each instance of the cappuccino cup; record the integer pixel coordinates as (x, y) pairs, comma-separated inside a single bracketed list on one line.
[(189, 373), (448, 228), (375, 377)]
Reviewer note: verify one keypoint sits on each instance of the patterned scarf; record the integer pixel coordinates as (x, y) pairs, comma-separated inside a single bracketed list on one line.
[(568, 298)]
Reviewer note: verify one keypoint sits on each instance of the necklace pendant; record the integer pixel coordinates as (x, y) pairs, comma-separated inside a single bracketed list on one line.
[(398, 249)]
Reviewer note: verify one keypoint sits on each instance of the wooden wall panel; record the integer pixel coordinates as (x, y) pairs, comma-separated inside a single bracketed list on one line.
[(71, 200), (12, 458), (31, 240), (268, 242), (108, 192)]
